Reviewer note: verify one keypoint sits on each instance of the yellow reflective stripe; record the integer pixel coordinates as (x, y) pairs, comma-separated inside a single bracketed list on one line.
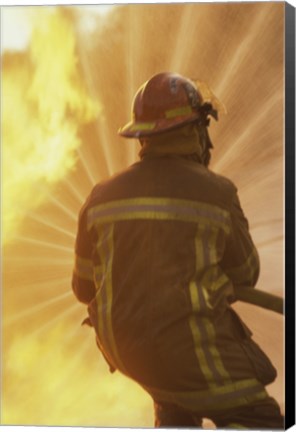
[(142, 126), (163, 201), (100, 315), (199, 250), (98, 272), (194, 296), (212, 245), (219, 282), (213, 277), (197, 336), (219, 397), (180, 111), (213, 280), (105, 294), (214, 351), (83, 268), (100, 295), (206, 297), (161, 209), (245, 271), (200, 261), (205, 246), (110, 297)]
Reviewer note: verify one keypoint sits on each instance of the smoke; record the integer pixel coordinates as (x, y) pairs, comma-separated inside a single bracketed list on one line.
[(44, 106)]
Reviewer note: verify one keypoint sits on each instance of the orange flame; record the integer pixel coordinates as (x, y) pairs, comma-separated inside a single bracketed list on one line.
[(45, 104)]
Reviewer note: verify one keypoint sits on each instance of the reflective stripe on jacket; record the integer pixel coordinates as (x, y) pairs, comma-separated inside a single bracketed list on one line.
[(159, 249)]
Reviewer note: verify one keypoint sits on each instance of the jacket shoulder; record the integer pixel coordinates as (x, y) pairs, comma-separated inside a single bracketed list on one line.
[(111, 188), (225, 183), (223, 189)]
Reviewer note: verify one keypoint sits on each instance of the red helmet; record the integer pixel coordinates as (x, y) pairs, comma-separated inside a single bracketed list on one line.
[(165, 102)]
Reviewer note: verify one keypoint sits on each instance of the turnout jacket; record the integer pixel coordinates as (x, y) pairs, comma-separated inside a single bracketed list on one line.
[(159, 250)]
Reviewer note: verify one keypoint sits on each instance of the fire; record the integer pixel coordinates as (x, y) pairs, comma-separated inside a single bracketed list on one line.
[(52, 374), (44, 105)]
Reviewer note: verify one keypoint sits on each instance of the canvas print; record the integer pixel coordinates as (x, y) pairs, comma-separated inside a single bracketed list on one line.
[(143, 157)]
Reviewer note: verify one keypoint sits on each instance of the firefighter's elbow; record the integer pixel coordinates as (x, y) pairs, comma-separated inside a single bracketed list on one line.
[(81, 297), (84, 291), (256, 270), (77, 291)]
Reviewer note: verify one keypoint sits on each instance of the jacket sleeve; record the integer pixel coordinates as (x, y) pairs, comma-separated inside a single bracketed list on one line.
[(241, 260), (83, 273)]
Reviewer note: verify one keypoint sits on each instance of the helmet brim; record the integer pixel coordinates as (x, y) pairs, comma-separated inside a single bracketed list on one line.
[(146, 129)]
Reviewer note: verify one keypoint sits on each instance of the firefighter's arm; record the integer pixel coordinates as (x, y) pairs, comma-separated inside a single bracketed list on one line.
[(241, 264), (82, 279), (241, 260)]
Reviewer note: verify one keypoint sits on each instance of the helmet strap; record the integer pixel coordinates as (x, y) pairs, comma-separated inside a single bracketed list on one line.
[(203, 122), (206, 144)]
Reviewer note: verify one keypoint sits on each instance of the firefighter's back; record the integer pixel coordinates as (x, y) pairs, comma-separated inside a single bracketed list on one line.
[(161, 228)]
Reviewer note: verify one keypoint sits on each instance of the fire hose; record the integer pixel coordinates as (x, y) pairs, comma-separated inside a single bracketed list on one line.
[(260, 298), (249, 295)]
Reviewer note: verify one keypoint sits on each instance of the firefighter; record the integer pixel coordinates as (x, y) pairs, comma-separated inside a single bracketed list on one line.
[(162, 249)]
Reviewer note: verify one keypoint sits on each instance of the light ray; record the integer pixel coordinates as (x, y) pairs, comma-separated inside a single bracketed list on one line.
[(266, 182), (269, 242), (44, 244), (266, 223), (63, 207), (241, 51), (101, 127), (90, 176), (231, 153), (74, 331), (130, 75), (34, 309), (56, 318), (56, 281), (185, 32), (39, 260), (104, 140), (78, 195), (49, 224)]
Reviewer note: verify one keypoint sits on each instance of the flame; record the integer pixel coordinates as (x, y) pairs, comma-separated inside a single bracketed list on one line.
[(45, 104), (53, 374)]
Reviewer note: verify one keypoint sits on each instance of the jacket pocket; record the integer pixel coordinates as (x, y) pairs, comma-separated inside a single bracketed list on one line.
[(262, 366)]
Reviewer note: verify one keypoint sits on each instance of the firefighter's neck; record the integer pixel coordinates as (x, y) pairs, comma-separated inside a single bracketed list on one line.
[(182, 142)]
